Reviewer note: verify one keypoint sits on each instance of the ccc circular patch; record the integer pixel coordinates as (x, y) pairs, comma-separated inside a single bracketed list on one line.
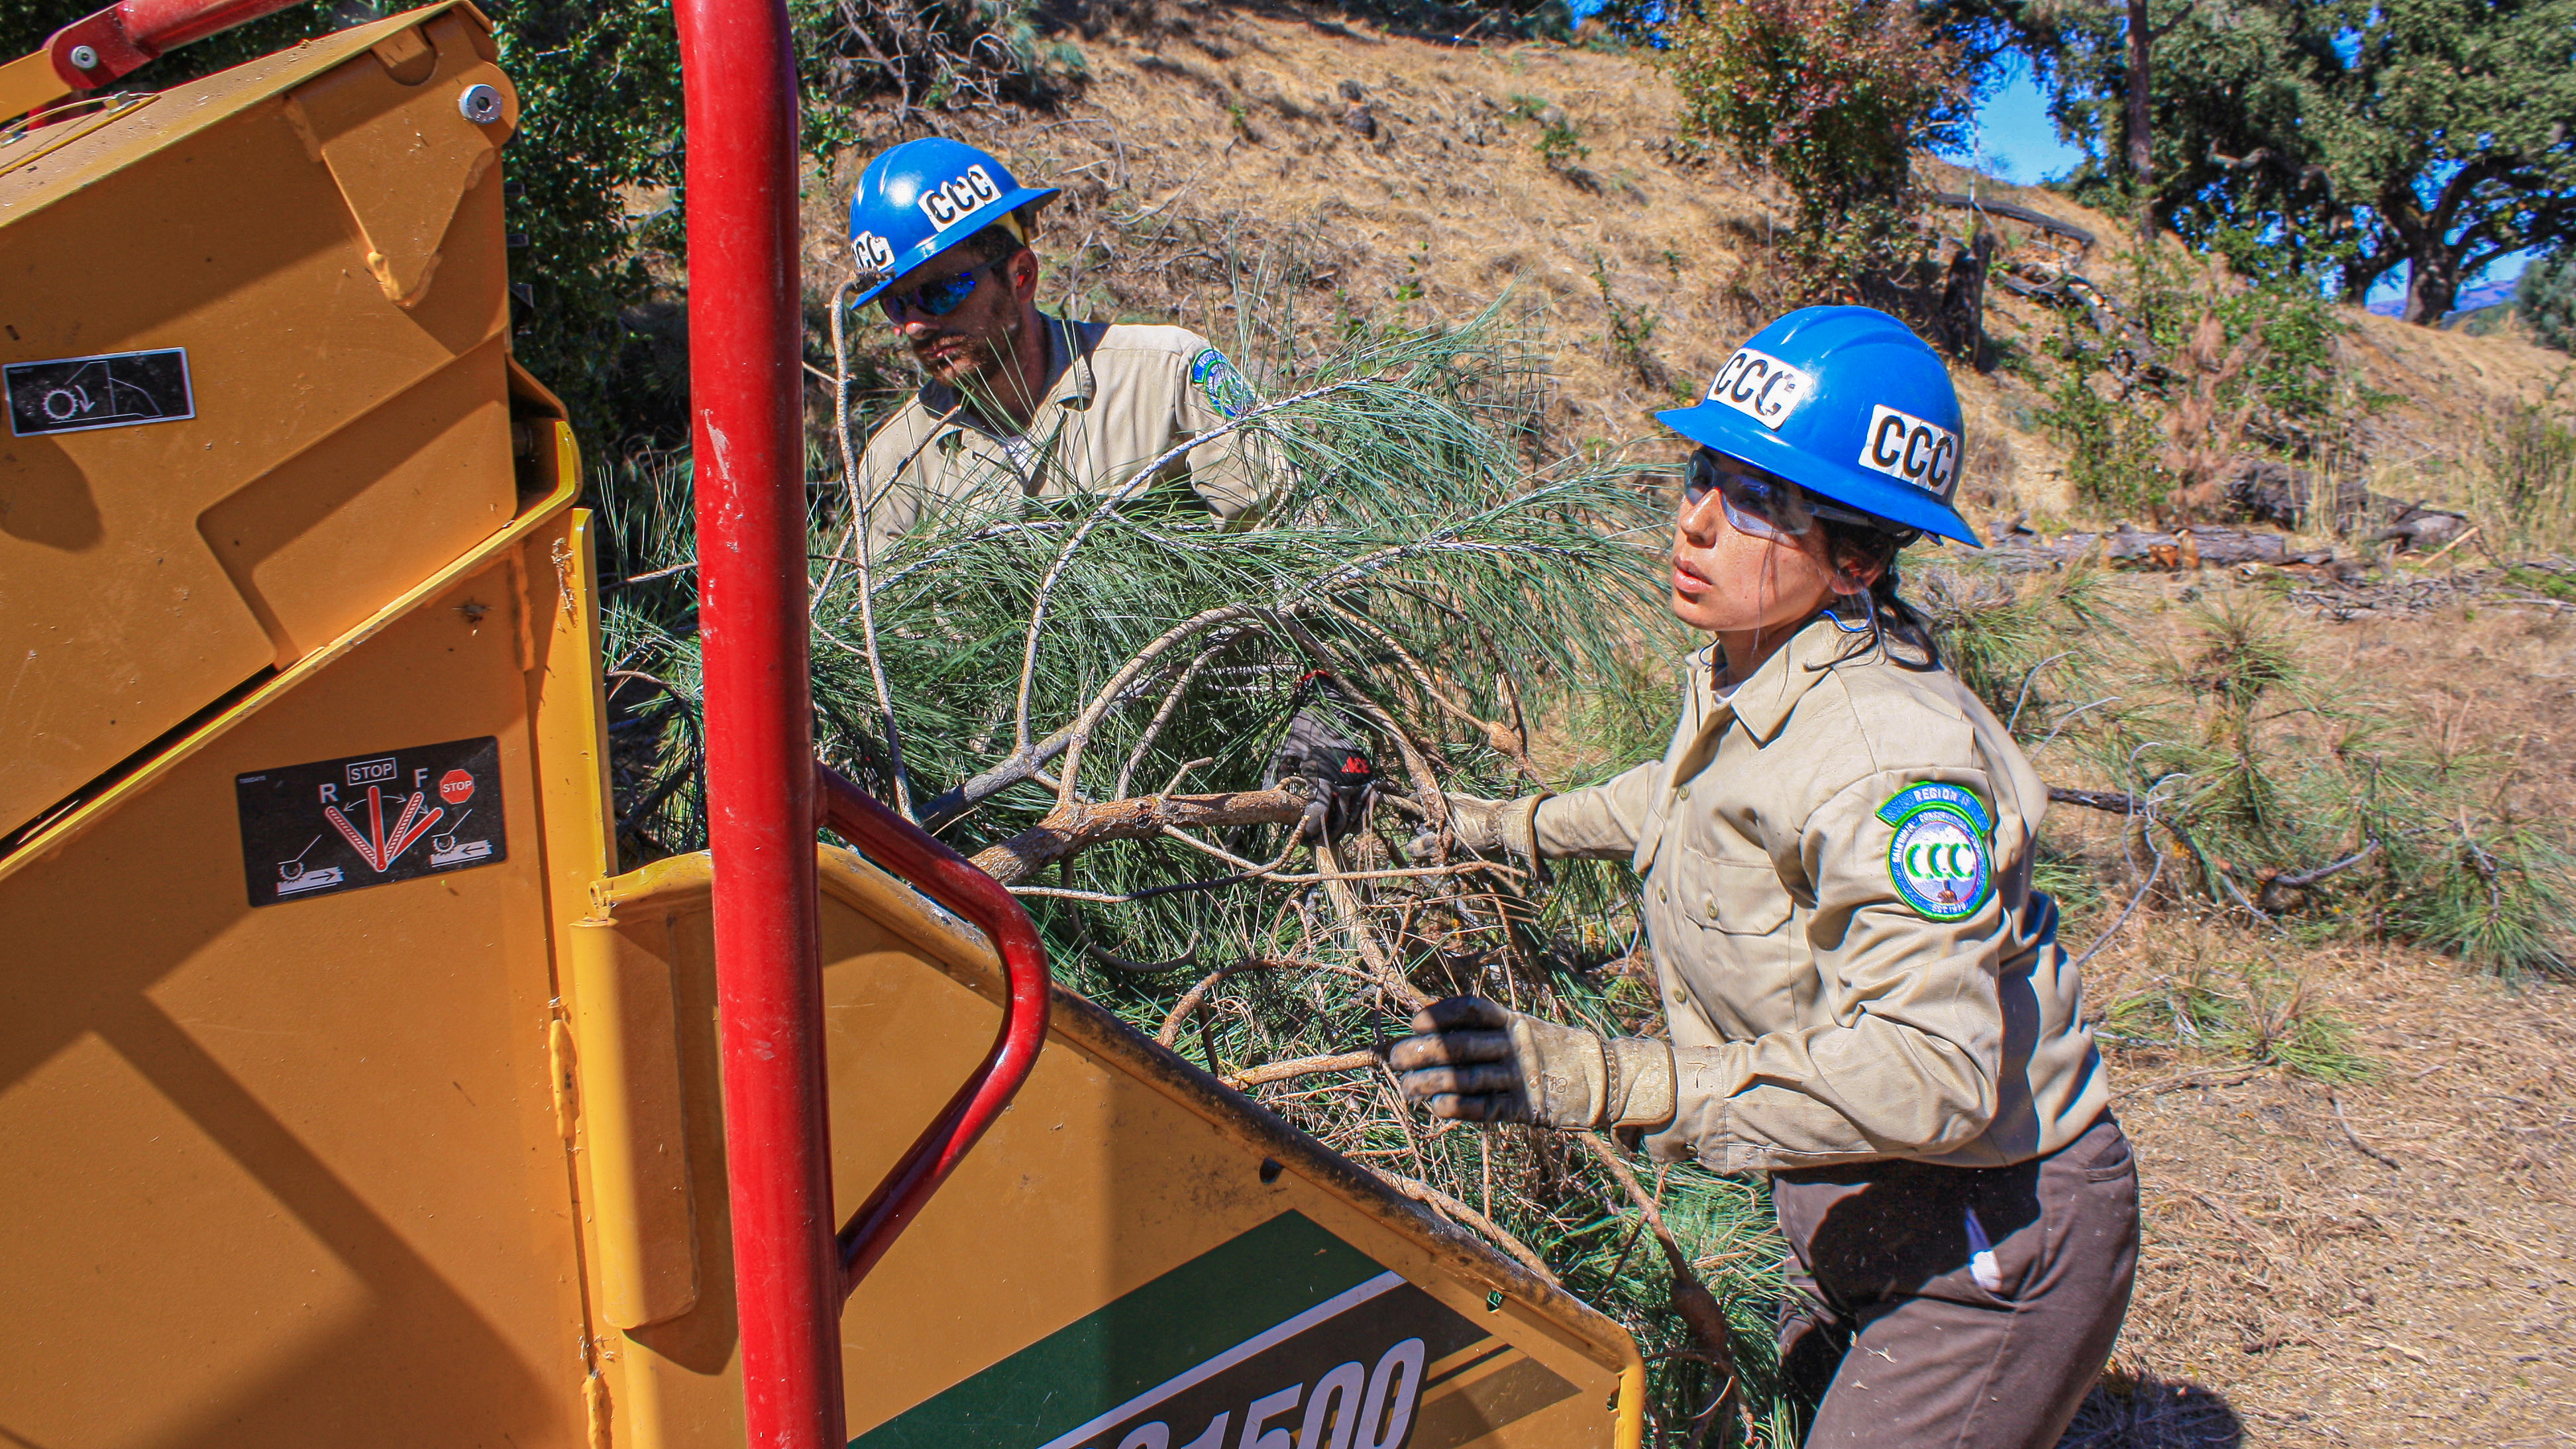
[(1227, 394), (1940, 860)]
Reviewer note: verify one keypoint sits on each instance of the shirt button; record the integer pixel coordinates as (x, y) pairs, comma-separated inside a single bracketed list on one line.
[(1680, 997), (1682, 794), (1708, 907), (1664, 894)]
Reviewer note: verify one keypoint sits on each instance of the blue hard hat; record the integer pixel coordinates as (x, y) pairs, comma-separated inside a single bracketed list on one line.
[(919, 199), (1847, 403)]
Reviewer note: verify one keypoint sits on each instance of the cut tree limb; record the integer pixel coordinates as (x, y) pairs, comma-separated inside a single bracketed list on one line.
[(1698, 1308), (2194, 547), (1300, 1067), (1450, 1207), (1069, 829)]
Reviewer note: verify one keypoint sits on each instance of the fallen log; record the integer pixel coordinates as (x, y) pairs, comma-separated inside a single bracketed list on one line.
[(2039, 219), (2197, 546)]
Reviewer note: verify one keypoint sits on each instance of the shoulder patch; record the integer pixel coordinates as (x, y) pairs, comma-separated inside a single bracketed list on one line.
[(1227, 394), (1941, 860)]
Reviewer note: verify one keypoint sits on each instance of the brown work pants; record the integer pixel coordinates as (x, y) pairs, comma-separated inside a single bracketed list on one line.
[(1964, 1307)]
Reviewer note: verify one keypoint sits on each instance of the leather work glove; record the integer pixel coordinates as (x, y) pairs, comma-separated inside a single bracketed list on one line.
[(1487, 826), (1476, 1061)]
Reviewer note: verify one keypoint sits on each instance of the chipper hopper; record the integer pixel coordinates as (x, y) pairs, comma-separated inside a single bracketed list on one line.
[(348, 1093)]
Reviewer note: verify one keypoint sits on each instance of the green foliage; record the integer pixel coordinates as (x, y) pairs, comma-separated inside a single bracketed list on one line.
[(2362, 136), (2242, 1011), (1631, 331), (2110, 443), (1831, 97), (1559, 144), (2545, 298), (599, 91), (2000, 637), (2270, 787), (2124, 367), (2524, 492)]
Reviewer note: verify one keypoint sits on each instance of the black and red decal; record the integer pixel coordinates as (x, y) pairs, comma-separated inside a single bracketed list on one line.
[(336, 825)]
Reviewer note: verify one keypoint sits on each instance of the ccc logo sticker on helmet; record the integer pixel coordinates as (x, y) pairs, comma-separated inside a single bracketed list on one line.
[(1902, 445), (1761, 387), (876, 254), (959, 195)]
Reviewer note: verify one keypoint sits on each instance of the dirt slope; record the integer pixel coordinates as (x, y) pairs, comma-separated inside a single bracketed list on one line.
[(1398, 178)]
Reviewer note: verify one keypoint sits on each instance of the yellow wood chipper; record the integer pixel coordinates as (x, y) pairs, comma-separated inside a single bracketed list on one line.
[(348, 1093)]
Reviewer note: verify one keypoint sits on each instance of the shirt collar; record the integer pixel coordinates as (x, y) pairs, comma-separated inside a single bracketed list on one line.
[(1764, 701), (1070, 382)]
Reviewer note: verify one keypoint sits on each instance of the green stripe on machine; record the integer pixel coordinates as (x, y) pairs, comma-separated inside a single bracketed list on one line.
[(1195, 1312)]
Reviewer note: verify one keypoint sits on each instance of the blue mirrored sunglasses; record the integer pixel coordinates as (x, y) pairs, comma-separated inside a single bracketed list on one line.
[(931, 299)]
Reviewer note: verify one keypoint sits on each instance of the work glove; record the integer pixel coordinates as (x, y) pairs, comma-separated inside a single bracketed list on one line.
[(1320, 747), (1488, 826), (1475, 1061)]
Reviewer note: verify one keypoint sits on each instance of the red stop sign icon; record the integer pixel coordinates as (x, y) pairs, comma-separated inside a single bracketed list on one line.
[(456, 787)]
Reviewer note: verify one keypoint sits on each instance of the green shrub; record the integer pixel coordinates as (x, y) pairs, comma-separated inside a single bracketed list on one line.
[(1833, 98), (2546, 299)]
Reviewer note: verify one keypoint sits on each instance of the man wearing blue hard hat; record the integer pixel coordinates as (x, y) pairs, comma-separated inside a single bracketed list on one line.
[(1862, 993), (1014, 401)]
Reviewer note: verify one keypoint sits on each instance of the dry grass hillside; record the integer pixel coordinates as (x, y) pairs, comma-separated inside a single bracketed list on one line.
[(2376, 1254), (1402, 179)]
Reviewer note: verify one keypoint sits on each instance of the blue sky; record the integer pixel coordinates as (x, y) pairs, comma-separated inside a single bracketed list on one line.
[(2015, 140)]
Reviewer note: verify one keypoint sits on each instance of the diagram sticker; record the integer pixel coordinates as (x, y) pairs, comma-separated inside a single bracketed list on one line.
[(119, 390), (339, 825)]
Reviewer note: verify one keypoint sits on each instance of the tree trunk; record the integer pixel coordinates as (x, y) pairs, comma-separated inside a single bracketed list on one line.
[(2142, 159), (2432, 281)]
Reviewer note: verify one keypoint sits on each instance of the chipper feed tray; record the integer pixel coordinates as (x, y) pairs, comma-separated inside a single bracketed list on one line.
[(347, 1094)]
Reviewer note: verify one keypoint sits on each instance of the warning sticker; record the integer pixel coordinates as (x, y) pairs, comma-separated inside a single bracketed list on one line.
[(337, 825), (119, 390)]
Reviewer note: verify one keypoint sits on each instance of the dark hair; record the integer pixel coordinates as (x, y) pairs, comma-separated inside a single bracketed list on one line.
[(1858, 546)]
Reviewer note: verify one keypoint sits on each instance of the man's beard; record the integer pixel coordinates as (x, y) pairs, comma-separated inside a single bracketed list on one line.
[(975, 368)]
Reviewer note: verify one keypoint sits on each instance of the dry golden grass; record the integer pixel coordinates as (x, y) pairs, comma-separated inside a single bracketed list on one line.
[(1230, 138)]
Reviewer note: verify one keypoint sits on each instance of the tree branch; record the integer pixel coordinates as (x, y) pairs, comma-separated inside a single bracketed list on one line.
[(1447, 1206), (1691, 1299), (1299, 1067), (1068, 829)]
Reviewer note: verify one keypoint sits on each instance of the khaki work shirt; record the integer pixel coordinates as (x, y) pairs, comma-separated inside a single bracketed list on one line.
[(1816, 1015), (1118, 397)]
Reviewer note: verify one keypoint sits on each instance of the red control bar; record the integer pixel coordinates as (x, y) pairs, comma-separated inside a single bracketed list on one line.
[(766, 796), (946, 877), (117, 41), (738, 84)]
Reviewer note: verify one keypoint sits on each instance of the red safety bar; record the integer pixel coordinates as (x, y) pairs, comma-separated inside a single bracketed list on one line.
[(946, 877), (739, 89), (766, 796), (120, 39)]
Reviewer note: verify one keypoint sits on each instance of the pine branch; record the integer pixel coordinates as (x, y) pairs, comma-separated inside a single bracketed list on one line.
[(1069, 829)]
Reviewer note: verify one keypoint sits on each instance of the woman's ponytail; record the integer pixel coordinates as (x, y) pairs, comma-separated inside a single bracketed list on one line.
[(1855, 547)]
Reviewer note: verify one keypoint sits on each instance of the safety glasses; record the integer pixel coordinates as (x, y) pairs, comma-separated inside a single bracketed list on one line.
[(931, 299), (1759, 504)]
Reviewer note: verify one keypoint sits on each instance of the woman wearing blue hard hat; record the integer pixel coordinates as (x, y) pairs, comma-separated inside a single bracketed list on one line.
[(1864, 996)]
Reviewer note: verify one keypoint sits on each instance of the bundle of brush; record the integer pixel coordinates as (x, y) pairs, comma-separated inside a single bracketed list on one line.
[(1194, 752)]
